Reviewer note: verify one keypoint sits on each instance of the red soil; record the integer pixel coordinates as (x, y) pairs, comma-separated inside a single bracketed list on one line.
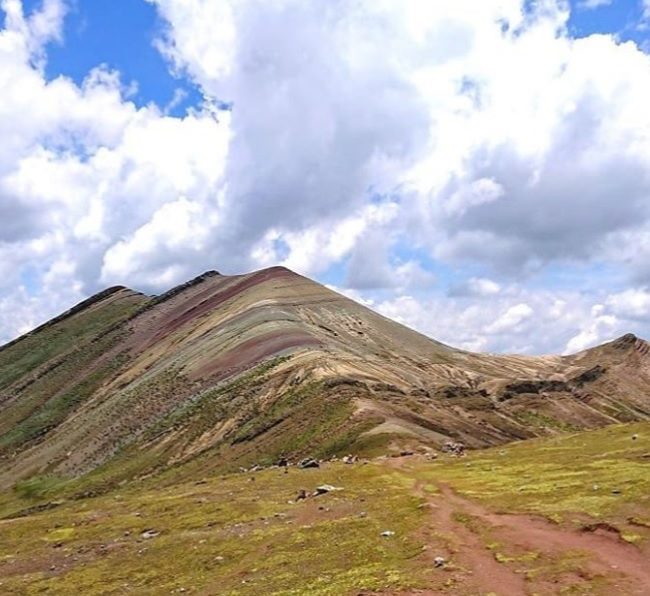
[(609, 565)]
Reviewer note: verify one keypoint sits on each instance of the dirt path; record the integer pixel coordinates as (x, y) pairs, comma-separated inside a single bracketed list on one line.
[(535, 556), (477, 565), (610, 554)]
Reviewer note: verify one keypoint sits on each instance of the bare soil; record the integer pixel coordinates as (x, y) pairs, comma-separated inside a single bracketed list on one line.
[(489, 553)]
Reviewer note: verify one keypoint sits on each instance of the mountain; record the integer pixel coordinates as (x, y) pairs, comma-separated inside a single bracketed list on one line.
[(226, 371)]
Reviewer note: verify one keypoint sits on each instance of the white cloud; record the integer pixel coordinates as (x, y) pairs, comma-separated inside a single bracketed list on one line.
[(516, 320), (592, 4), (453, 156)]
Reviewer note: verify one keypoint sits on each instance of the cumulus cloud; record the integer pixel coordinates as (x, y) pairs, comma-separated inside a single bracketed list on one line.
[(440, 156)]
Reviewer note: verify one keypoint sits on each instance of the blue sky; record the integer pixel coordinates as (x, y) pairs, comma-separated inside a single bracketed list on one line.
[(618, 17), (355, 154), (119, 34)]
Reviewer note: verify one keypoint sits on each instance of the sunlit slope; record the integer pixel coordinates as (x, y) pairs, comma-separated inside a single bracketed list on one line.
[(243, 368), (247, 533)]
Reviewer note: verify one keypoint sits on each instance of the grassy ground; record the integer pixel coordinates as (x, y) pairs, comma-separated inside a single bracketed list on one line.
[(236, 534), (244, 534), (603, 473)]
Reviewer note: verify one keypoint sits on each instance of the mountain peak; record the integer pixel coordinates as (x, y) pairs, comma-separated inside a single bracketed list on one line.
[(245, 367)]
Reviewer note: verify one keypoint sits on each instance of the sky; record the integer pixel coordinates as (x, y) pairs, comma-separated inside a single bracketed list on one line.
[(478, 169)]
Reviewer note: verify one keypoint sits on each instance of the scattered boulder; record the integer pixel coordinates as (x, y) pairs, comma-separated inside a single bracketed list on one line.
[(439, 562), (350, 459), (302, 494), (308, 462), (324, 489), (457, 449), (149, 533), (283, 462), (387, 533)]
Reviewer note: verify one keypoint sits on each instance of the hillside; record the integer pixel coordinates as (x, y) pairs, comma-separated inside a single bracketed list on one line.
[(226, 371), (563, 515)]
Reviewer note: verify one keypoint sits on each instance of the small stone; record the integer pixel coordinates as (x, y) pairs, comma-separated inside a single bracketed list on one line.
[(324, 489), (387, 533), (147, 534), (439, 562), (308, 463), (616, 491)]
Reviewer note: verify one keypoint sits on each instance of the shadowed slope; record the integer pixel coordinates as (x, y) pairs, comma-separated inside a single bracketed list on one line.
[(241, 368)]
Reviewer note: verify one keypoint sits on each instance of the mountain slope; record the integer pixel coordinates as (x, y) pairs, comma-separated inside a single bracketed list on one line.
[(238, 369)]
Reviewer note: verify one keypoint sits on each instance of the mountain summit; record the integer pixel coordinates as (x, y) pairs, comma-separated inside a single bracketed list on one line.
[(232, 370)]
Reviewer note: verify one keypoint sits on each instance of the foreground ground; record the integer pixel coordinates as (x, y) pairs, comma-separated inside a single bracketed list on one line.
[(566, 515)]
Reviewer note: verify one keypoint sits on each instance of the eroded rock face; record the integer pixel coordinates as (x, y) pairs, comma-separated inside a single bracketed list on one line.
[(256, 366)]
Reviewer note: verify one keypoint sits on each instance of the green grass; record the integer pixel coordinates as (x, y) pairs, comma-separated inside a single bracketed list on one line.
[(226, 535), (60, 336), (599, 473), (50, 373)]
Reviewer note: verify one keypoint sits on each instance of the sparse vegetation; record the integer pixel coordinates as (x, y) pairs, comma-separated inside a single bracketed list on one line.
[(124, 421)]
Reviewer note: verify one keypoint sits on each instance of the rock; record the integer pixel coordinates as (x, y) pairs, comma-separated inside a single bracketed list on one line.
[(283, 462), (324, 489), (147, 534), (308, 463), (457, 449), (635, 437), (350, 459), (439, 562), (302, 494), (406, 453), (616, 491), (387, 533)]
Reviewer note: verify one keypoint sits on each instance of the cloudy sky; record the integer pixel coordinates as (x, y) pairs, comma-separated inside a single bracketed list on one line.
[(476, 169)]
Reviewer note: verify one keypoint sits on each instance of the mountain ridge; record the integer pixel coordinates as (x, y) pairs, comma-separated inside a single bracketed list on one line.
[(239, 369)]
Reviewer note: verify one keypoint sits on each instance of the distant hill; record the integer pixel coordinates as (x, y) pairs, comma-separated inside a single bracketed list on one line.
[(231, 370)]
